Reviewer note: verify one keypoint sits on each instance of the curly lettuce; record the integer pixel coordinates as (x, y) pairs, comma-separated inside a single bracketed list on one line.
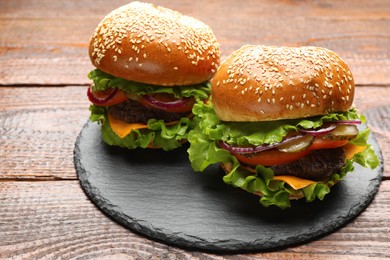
[(204, 151), (158, 134), (103, 81)]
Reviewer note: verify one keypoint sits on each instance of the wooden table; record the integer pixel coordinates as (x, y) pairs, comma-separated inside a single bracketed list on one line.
[(43, 106)]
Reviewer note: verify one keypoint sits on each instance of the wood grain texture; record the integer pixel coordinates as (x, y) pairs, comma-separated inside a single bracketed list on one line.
[(55, 220), (45, 42), (39, 126), (38, 130)]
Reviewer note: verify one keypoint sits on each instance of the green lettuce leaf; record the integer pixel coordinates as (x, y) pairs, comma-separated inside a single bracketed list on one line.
[(258, 133), (204, 151), (157, 133), (103, 81)]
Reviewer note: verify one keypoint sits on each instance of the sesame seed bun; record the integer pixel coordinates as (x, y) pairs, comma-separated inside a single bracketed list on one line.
[(261, 83), (150, 44)]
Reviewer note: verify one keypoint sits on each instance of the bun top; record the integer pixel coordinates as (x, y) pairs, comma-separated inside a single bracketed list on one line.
[(260, 83), (155, 45)]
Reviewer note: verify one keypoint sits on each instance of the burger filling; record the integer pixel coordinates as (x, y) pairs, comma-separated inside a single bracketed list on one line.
[(309, 154), (281, 159), (135, 115)]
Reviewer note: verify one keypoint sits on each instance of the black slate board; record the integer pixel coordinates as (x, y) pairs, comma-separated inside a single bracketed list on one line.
[(156, 194)]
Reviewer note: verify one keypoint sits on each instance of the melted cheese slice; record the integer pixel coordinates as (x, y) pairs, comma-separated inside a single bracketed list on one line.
[(122, 128), (295, 182), (351, 149)]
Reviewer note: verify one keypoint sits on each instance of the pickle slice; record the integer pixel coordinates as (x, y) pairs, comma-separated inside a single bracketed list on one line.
[(343, 132), (297, 145)]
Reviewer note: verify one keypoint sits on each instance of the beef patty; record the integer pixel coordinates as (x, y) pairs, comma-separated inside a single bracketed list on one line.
[(131, 111), (318, 165)]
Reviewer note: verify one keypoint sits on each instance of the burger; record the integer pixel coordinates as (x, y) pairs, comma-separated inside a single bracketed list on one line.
[(152, 65), (282, 124)]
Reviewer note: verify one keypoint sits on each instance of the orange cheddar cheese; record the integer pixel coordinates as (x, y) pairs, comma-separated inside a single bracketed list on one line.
[(122, 128), (295, 182), (351, 149)]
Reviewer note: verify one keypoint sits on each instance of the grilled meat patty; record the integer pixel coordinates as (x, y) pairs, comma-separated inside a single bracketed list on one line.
[(318, 165), (131, 111)]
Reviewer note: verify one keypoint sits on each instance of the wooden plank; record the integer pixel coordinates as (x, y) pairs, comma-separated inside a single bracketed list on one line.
[(39, 126), (55, 219), (46, 42)]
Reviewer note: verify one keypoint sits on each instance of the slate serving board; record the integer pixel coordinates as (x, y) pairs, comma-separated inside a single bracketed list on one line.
[(156, 194)]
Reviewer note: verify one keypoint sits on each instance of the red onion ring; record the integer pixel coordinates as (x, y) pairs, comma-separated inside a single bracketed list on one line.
[(348, 122), (165, 104), (318, 132), (329, 128), (97, 100), (255, 149)]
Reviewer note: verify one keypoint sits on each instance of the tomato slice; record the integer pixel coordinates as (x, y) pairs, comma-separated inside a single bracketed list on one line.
[(275, 157), (106, 98), (270, 157), (168, 102), (320, 143)]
